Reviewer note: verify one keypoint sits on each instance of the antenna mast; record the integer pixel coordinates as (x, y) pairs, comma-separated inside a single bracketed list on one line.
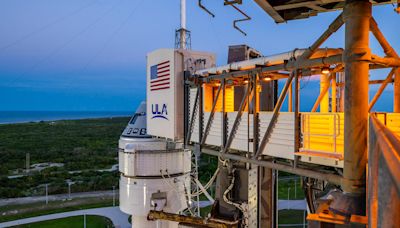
[(182, 35)]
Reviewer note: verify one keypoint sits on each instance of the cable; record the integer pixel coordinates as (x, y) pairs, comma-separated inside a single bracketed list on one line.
[(241, 207), (76, 35), (111, 37), (49, 25), (176, 189), (209, 183), (84, 69)]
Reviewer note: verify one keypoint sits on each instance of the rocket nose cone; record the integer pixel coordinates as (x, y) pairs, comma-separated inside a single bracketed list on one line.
[(137, 125)]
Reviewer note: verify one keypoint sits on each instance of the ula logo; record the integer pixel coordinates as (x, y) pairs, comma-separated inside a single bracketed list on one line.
[(159, 112)]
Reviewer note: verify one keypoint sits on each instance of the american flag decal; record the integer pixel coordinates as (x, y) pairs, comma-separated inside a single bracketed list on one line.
[(159, 76)]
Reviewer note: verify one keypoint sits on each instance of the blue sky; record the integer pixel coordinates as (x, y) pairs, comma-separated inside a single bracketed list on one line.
[(90, 54)]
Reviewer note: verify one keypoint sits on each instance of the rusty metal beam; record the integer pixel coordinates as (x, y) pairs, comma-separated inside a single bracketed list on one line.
[(386, 61), (356, 15), (203, 222), (381, 88)]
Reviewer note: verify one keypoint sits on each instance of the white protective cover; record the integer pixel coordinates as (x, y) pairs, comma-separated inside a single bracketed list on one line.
[(135, 194), (165, 106), (153, 163)]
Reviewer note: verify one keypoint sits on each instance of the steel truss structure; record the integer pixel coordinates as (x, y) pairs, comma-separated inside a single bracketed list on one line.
[(355, 61)]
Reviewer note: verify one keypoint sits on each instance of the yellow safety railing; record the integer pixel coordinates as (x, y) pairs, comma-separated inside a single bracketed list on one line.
[(322, 133)]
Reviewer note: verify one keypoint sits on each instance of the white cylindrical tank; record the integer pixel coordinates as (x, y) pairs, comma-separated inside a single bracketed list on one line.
[(155, 174)]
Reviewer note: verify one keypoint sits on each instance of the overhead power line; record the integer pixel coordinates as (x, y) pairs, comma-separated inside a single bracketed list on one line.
[(47, 26), (65, 44)]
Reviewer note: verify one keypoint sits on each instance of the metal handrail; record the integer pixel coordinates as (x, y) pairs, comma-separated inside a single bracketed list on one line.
[(389, 148), (383, 175), (336, 117), (305, 117)]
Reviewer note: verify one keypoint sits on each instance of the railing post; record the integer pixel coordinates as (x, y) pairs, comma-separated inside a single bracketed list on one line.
[(297, 115), (256, 129), (224, 115), (201, 111)]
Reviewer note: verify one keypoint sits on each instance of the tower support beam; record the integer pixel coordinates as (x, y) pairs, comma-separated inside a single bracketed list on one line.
[(389, 51), (357, 15)]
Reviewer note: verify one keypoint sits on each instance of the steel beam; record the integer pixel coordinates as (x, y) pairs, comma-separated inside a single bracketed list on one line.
[(201, 112), (385, 61), (190, 130), (290, 99), (297, 112), (210, 119), (384, 176), (381, 88), (357, 15), (334, 91), (333, 27), (322, 93), (275, 115), (256, 127), (267, 197), (371, 82), (211, 222), (237, 119), (224, 116), (389, 51), (325, 81), (332, 178), (270, 10)]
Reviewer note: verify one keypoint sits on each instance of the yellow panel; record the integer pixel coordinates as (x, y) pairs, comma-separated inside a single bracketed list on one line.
[(229, 100), (209, 94), (393, 122), (323, 132)]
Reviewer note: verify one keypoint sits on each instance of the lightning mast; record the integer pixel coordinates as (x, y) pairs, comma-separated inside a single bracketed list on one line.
[(182, 35)]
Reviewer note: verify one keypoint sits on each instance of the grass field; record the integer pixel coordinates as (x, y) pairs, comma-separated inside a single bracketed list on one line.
[(38, 209), (290, 189), (85, 145), (92, 221), (291, 217)]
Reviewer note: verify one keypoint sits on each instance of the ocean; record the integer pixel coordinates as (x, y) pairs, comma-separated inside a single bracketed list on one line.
[(7, 117)]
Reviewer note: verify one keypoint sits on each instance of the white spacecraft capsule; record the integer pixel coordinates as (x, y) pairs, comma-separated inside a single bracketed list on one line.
[(155, 174)]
